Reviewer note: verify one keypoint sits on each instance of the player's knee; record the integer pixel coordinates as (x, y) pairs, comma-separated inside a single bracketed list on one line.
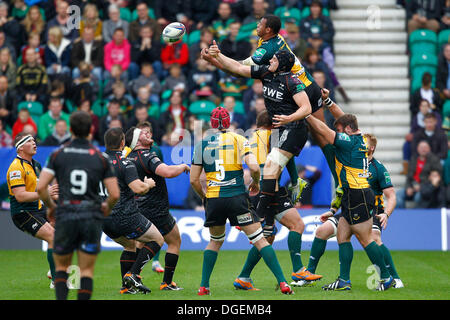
[(324, 232)]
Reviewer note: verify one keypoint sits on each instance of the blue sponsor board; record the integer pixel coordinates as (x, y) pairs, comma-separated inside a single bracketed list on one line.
[(406, 230)]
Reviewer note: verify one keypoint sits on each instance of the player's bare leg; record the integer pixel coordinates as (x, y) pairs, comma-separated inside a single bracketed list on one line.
[(86, 262)]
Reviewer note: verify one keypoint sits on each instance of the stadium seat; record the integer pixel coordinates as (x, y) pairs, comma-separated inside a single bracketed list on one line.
[(202, 109), (154, 112), (288, 13), (306, 12), (125, 14), (165, 106), (424, 61), (423, 41), (443, 37), (193, 37), (99, 107), (35, 108), (446, 109), (238, 107), (249, 27)]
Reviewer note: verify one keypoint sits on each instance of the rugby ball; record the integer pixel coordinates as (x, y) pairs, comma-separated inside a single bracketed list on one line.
[(173, 32)]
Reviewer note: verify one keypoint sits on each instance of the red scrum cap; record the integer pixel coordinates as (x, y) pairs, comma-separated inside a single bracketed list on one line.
[(220, 118)]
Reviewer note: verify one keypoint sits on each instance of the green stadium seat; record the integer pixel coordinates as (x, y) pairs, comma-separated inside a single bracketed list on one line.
[(165, 106), (70, 105), (306, 12), (427, 60), (249, 27), (288, 13), (416, 81), (35, 108), (238, 107), (443, 37), (202, 108), (446, 109), (423, 41), (99, 107), (154, 112), (125, 14), (192, 37)]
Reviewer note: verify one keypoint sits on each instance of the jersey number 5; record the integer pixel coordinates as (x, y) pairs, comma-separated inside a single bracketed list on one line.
[(78, 180), (219, 167)]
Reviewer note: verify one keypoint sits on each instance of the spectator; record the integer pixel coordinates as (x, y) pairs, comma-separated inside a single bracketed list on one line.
[(143, 98), (221, 25), (206, 39), (85, 86), (434, 135), (202, 82), (445, 19), (321, 80), (432, 191), (119, 93), (114, 22), (23, 119), (237, 121), (419, 170), (31, 81), (175, 120), (19, 10), (297, 44), (62, 20), (48, 120), (202, 13), (418, 120), (143, 19), (141, 115), (12, 29), (442, 74), (250, 95), (174, 53), (117, 52), (59, 136), (317, 23), (259, 10), (257, 107), (147, 49), (85, 106), (171, 11), (117, 75), (425, 92), (313, 62), (4, 44), (150, 80), (8, 67), (91, 19), (57, 52), (88, 50), (105, 121), (34, 22), (232, 86), (423, 15), (34, 42), (235, 49), (7, 103), (175, 80), (6, 140)]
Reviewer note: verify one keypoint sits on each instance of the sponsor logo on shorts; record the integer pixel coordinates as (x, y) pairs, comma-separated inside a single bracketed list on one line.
[(244, 218), (222, 183)]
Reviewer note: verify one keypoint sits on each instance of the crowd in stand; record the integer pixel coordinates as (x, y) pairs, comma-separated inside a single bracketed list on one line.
[(110, 61), (425, 152)]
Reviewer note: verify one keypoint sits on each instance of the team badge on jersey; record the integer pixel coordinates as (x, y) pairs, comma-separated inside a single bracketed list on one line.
[(259, 54), (15, 175)]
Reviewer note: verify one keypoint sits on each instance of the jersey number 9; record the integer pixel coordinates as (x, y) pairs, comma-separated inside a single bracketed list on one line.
[(78, 180)]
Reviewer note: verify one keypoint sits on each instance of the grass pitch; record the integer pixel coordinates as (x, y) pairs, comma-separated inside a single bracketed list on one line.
[(426, 275)]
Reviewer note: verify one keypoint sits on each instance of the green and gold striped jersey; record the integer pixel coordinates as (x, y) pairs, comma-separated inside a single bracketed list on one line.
[(266, 49), (221, 156), (352, 164)]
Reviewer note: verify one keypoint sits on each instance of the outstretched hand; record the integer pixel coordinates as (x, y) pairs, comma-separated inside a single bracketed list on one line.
[(214, 50), (325, 93)]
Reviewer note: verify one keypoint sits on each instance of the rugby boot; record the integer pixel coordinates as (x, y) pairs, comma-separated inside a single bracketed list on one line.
[(304, 274), (296, 190), (385, 284), (338, 285), (156, 267), (203, 291), (173, 286), (285, 288), (135, 281), (244, 284)]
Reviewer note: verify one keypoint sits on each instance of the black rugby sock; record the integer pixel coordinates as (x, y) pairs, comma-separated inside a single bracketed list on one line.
[(267, 196), (60, 282), (146, 253), (127, 259), (86, 286), (171, 261)]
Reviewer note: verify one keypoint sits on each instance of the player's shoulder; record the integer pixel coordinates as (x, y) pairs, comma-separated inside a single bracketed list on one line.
[(15, 165), (378, 164)]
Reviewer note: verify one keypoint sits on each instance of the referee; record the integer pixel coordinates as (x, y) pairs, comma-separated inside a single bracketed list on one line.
[(27, 212)]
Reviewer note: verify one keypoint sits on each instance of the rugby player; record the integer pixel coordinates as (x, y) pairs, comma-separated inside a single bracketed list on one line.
[(78, 168), (221, 155), (126, 224), (154, 205), (358, 200), (287, 104), (284, 212), (270, 41), (27, 212)]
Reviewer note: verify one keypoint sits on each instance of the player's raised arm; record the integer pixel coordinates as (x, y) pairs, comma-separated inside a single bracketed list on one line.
[(335, 110), (228, 64), (322, 129), (167, 171)]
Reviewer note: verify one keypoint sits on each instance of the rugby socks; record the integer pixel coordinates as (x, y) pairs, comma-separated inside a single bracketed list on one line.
[(86, 286), (170, 263), (127, 259), (317, 250), (209, 260), (376, 257), (60, 281), (295, 247), (271, 260), (146, 253), (292, 170), (345, 260), (253, 258), (156, 257), (51, 262), (266, 197), (389, 262)]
